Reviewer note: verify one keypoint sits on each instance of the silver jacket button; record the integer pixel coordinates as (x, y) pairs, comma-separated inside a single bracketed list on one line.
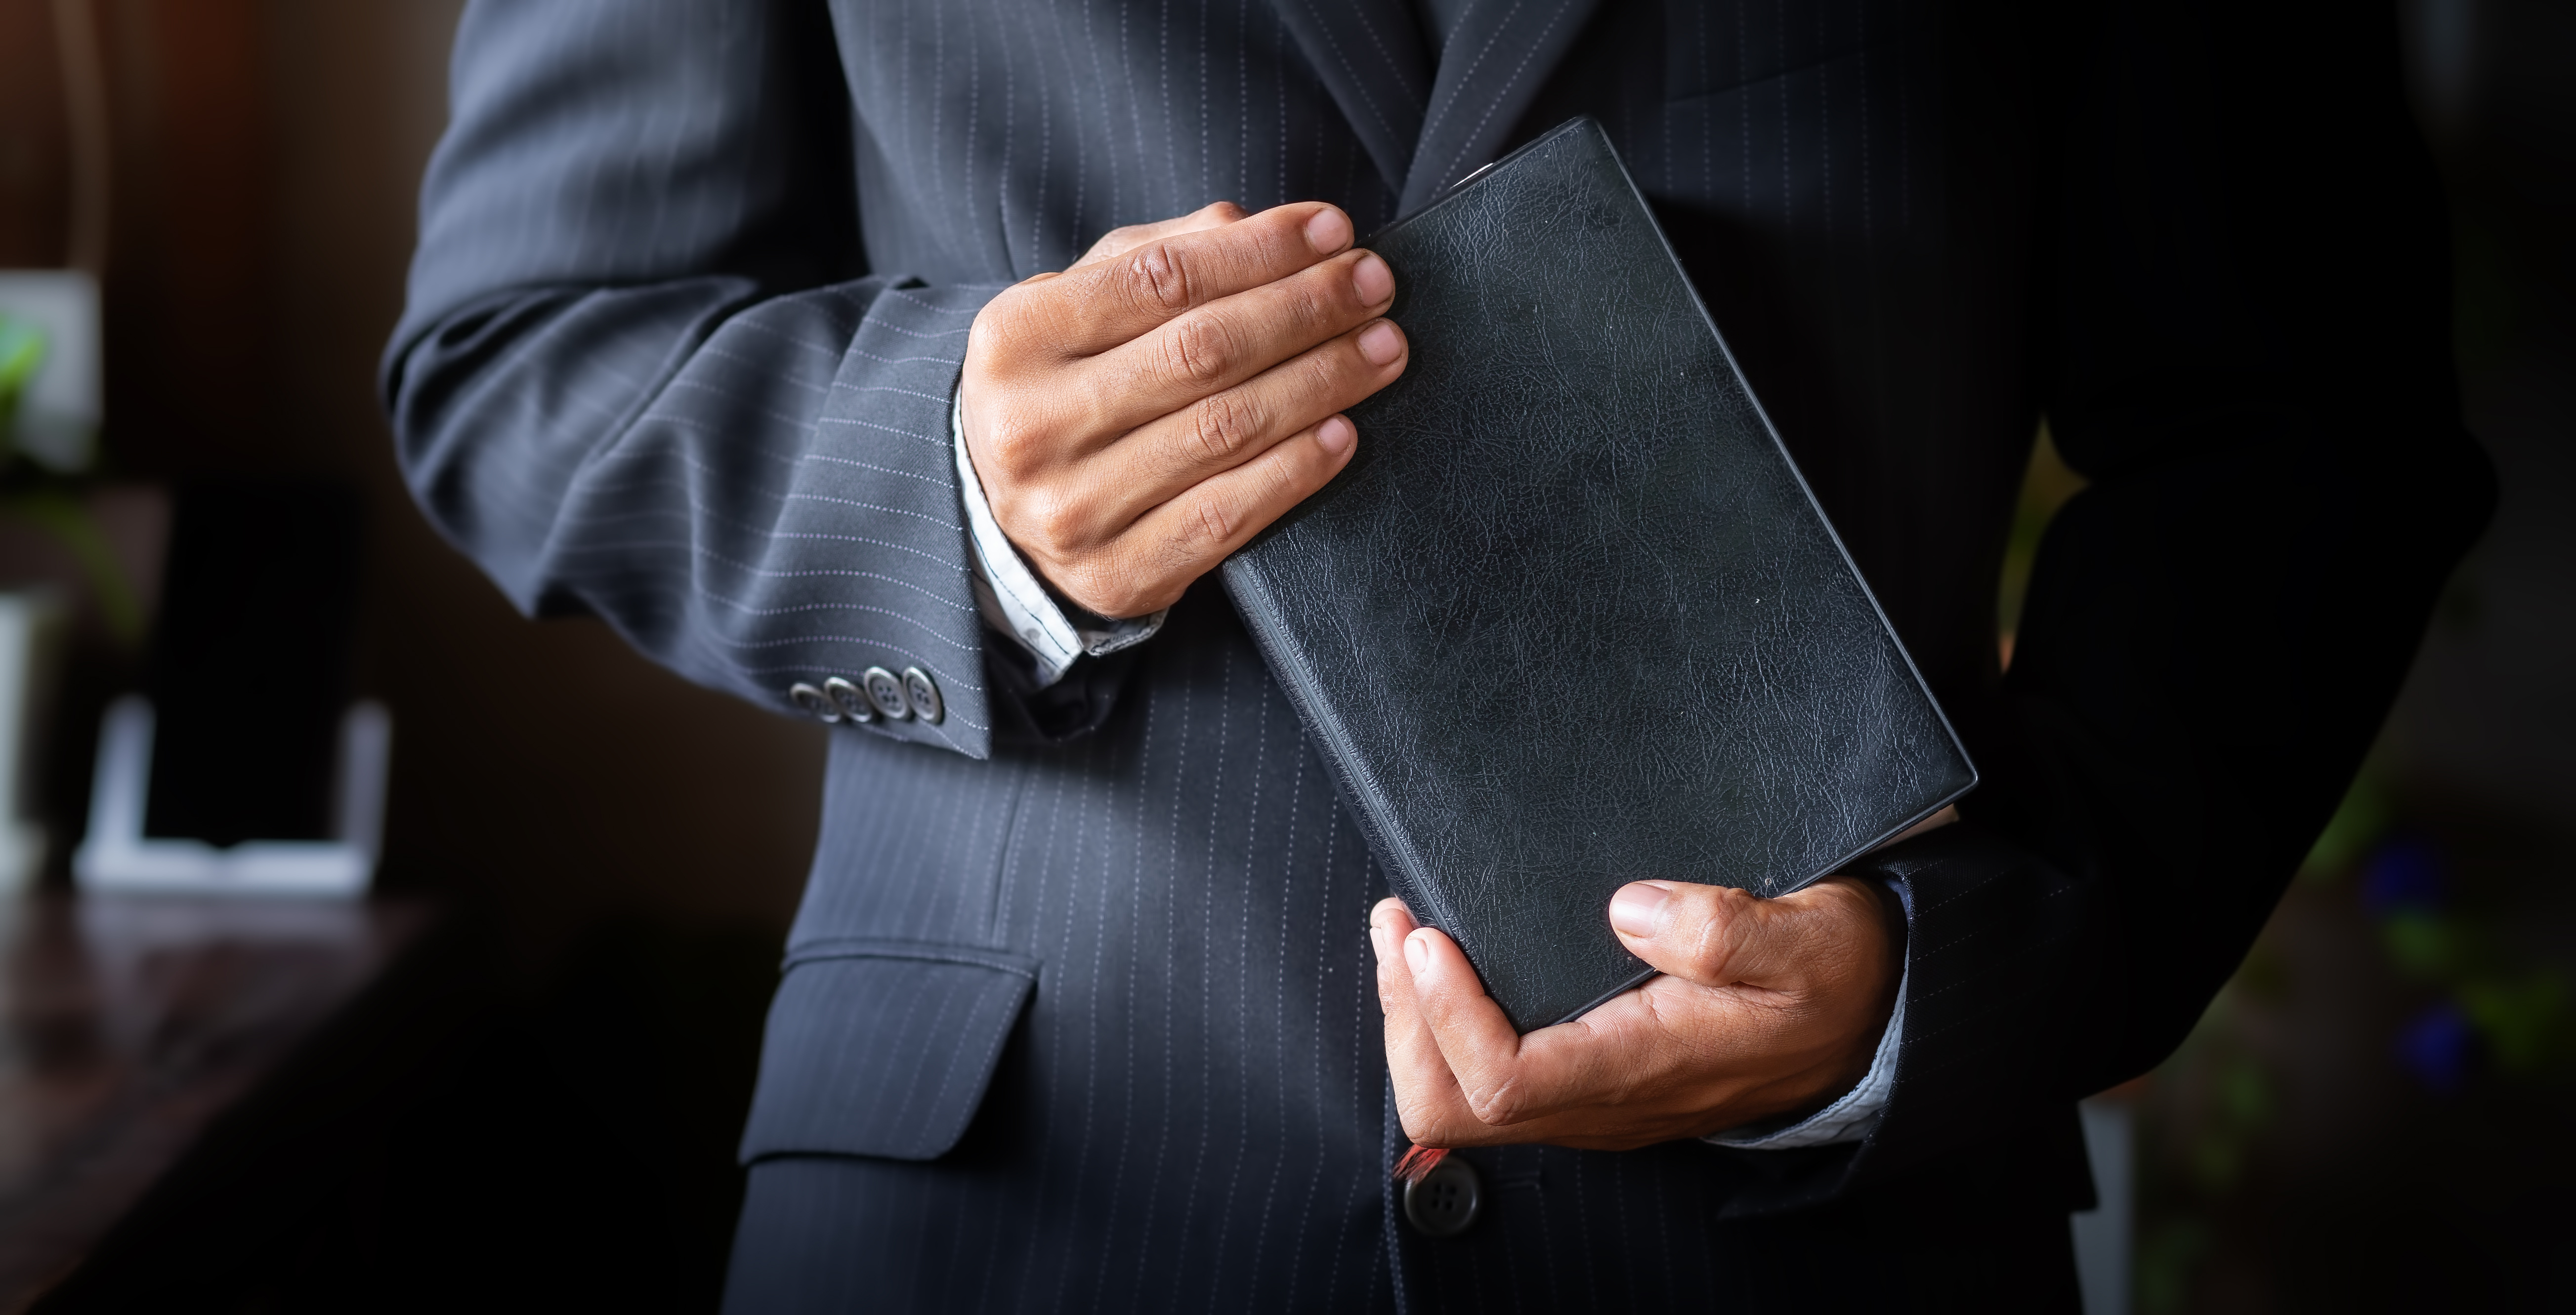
[(924, 693), (885, 690), (850, 699), (814, 701)]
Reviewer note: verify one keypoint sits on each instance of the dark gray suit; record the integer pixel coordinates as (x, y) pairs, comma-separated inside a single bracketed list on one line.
[(1077, 1012)]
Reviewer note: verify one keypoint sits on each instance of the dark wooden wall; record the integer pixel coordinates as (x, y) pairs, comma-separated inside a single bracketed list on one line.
[(34, 170)]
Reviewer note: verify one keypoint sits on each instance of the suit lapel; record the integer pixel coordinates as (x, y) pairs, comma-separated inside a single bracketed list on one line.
[(1426, 129), (1492, 67), (1370, 56)]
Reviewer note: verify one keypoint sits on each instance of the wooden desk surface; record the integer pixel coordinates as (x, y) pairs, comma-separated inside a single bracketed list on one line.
[(129, 1023)]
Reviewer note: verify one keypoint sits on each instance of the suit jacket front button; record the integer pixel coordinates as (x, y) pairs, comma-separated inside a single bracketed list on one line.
[(1446, 1200), (850, 699), (814, 701), (885, 690), (924, 693)]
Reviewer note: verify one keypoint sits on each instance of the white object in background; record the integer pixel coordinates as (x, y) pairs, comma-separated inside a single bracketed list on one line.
[(117, 857), (2103, 1240), (30, 624), (58, 416)]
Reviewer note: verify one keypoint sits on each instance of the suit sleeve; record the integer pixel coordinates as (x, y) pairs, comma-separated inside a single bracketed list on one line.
[(644, 372)]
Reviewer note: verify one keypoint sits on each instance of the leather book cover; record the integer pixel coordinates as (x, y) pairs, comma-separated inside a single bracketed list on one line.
[(1571, 618)]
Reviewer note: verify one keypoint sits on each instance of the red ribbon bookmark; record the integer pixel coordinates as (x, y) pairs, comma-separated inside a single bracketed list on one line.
[(1418, 1162)]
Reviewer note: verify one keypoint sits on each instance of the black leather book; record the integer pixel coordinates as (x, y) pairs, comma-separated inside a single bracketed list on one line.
[(1571, 617)]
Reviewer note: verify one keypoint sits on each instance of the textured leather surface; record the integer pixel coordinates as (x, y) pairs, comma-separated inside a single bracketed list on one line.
[(1571, 618), (882, 1047)]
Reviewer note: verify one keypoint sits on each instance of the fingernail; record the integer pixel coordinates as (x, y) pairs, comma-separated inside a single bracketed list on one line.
[(1381, 343), (1372, 280), (1336, 435), (1638, 909), (1377, 941), (1328, 232), (1417, 951)]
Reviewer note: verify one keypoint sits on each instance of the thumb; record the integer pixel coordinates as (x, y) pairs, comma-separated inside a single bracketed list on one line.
[(1710, 935)]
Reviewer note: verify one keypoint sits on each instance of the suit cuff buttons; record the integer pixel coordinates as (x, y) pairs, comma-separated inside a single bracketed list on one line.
[(878, 694)]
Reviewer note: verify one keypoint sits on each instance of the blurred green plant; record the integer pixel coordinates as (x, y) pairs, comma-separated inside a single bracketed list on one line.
[(2523, 1019), (2045, 486), (2490, 1003), (2490, 1013), (22, 350), (49, 499)]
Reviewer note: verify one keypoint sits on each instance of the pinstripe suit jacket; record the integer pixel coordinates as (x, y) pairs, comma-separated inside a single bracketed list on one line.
[(1077, 1011)]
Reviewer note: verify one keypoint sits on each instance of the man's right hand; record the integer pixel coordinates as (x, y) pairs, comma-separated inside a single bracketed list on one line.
[(1139, 416)]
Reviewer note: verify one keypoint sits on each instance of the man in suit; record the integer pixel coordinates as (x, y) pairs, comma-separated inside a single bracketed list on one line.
[(733, 325)]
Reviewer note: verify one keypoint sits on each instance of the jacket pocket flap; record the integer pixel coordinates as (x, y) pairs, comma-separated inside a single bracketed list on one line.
[(882, 1048)]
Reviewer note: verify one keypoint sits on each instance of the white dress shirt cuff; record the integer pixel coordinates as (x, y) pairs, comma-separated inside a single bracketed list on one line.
[(1849, 1119), (1010, 597)]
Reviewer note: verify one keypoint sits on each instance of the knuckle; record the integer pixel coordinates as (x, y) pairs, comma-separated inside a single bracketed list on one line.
[(1051, 519), (1706, 954), (1312, 304), (1711, 931), (993, 342), (1157, 279), (1497, 1106), (1199, 349), (1207, 525), (1329, 373), (991, 324), (1008, 305), (1223, 425), (1705, 967), (1015, 442), (1013, 325)]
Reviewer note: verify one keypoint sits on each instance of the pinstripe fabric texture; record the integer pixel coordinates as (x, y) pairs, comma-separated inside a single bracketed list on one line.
[(660, 388), (1191, 1112), (1078, 1010), (657, 388), (691, 297)]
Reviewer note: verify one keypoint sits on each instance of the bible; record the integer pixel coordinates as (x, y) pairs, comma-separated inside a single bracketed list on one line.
[(1571, 618)]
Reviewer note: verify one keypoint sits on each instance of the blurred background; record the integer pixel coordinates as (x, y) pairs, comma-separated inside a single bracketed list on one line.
[(2379, 1113), (2375, 1115), (626, 848)]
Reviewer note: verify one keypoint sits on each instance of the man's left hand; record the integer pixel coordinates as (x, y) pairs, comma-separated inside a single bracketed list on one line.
[(1765, 1007)]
